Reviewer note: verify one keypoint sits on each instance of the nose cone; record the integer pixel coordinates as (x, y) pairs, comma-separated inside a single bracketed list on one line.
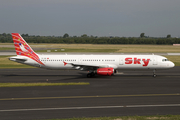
[(171, 65)]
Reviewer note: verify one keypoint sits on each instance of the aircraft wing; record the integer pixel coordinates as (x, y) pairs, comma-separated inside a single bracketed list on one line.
[(91, 67), (84, 66)]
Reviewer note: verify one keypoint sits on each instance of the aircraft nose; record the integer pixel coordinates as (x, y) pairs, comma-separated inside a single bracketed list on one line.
[(171, 65)]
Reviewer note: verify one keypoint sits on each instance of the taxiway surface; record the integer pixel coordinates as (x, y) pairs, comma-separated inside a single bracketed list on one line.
[(127, 93)]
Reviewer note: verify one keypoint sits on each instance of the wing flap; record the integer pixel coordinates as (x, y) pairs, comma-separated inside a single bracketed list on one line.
[(91, 67)]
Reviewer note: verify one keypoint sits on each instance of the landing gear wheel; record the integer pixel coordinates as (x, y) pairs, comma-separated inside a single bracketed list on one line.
[(89, 75), (154, 75)]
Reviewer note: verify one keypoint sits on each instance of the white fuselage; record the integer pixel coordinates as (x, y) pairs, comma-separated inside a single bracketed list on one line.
[(101, 61), (105, 65)]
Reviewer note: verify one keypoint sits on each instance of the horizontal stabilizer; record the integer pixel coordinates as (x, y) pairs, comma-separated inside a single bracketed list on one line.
[(16, 58)]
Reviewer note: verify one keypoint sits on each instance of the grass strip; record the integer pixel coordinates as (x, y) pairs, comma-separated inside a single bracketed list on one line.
[(155, 117), (6, 48), (40, 84), (118, 48)]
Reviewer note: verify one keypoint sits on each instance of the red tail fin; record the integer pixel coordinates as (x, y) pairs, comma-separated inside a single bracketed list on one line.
[(23, 49)]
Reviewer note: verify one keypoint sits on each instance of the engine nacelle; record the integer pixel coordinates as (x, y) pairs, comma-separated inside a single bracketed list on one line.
[(105, 71)]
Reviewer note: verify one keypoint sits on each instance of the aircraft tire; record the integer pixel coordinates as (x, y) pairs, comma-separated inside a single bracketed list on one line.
[(154, 75), (89, 75)]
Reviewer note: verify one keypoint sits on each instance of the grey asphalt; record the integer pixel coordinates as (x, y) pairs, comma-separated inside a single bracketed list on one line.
[(127, 93)]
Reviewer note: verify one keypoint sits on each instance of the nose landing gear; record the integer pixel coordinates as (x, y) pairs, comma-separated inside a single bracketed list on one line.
[(154, 73)]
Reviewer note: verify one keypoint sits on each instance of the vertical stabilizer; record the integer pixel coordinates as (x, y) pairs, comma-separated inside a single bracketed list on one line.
[(23, 49)]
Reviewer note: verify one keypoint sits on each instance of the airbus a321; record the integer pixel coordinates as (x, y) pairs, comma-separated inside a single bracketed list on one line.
[(106, 65)]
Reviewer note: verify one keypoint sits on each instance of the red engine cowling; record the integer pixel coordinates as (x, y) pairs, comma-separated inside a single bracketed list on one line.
[(105, 71)]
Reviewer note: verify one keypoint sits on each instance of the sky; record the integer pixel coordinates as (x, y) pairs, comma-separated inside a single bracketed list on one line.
[(123, 18)]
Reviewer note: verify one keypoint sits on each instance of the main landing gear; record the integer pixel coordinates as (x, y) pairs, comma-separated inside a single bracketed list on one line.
[(91, 74), (154, 73)]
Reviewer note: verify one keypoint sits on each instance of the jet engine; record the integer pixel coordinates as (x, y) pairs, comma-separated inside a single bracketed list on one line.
[(105, 71)]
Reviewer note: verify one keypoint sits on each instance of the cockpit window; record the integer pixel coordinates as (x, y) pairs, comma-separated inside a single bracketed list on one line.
[(165, 60)]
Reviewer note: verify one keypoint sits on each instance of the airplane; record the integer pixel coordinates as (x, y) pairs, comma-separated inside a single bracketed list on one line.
[(106, 65)]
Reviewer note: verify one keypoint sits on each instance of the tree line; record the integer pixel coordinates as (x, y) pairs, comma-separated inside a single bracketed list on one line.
[(84, 39)]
